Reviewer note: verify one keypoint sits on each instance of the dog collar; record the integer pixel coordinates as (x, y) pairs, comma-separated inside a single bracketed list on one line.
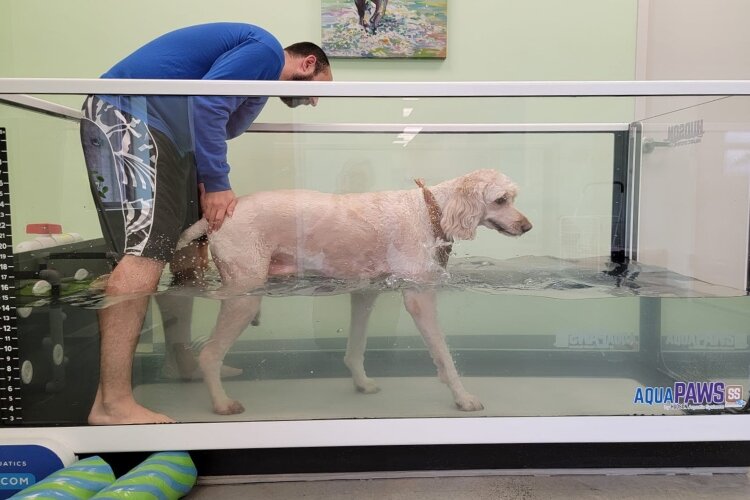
[(443, 251)]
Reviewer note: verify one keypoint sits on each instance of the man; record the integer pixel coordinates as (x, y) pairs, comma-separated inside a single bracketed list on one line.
[(156, 162)]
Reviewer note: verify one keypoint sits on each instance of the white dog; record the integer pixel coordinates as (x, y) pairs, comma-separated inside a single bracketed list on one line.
[(405, 234)]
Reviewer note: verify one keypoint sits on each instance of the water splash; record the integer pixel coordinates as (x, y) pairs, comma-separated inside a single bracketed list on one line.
[(537, 276)]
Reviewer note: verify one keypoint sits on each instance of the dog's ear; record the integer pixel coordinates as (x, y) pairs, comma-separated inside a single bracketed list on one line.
[(464, 210)]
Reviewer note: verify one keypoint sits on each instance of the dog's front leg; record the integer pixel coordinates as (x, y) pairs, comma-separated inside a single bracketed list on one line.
[(422, 305), (361, 305), (234, 316)]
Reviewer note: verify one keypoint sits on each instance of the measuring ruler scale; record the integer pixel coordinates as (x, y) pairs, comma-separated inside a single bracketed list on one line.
[(10, 371)]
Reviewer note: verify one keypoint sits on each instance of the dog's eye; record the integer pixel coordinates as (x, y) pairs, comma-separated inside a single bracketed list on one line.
[(501, 200)]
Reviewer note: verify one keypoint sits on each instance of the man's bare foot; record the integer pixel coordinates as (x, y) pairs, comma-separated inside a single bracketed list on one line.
[(188, 369), (125, 413)]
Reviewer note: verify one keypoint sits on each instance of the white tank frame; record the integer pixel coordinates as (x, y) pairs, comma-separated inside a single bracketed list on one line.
[(386, 431), (376, 89)]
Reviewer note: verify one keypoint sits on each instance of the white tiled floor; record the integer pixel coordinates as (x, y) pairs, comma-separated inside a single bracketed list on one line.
[(636, 487)]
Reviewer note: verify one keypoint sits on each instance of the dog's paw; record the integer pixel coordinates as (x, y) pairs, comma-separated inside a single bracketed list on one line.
[(469, 403), (231, 407), (367, 386)]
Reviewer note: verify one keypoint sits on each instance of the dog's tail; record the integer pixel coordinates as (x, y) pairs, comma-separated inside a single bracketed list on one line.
[(193, 232)]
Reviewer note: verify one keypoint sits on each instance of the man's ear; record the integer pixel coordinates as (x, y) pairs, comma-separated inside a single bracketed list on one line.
[(307, 65)]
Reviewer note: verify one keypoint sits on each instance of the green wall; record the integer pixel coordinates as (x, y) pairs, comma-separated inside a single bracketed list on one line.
[(487, 39)]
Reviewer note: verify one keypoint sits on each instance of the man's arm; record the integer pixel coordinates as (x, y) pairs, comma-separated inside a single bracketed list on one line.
[(211, 119)]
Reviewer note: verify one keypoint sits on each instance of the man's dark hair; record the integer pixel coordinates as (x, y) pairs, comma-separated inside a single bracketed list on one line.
[(304, 49)]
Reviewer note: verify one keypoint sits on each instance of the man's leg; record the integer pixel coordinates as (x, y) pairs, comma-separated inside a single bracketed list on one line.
[(120, 326), (187, 267), (138, 222), (176, 313)]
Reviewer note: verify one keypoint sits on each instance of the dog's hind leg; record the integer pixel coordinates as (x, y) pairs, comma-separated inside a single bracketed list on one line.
[(235, 315), (422, 305), (361, 304), (237, 310)]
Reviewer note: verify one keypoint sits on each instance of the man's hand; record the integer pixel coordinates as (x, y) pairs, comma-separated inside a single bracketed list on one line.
[(216, 206)]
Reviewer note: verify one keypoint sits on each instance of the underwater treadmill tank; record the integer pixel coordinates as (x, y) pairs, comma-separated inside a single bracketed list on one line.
[(627, 297)]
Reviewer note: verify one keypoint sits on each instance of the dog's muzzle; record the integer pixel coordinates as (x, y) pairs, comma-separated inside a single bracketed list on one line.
[(519, 228)]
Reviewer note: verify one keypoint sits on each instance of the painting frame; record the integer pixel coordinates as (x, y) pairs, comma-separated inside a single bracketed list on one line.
[(379, 29)]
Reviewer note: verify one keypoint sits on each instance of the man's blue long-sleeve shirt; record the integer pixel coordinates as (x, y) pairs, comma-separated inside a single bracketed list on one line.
[(202, 124)]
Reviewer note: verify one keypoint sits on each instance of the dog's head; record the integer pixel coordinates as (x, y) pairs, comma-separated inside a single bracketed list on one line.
[(482, 198)]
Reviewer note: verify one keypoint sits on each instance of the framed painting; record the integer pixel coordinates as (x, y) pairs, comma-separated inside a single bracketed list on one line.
[(383, 29)]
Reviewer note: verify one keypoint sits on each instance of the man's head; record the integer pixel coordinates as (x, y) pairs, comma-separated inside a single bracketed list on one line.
[(305, 61)]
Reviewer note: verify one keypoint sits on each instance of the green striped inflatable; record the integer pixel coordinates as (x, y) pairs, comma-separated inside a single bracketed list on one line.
[(162, 476), (83, 479)]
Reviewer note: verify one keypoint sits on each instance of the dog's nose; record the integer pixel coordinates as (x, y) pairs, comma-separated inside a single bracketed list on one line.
[(526, 226)]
